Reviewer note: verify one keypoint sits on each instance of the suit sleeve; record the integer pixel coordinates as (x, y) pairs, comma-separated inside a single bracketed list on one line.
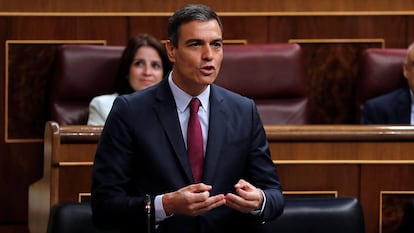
[(263, 171), (112, 204)]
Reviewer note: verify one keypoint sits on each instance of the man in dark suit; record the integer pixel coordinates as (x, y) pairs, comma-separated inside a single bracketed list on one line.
[(391, 108), (142, 175), (395, 107)]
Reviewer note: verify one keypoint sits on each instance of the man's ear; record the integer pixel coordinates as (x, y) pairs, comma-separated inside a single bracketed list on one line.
[(405, 69), (169, 47)]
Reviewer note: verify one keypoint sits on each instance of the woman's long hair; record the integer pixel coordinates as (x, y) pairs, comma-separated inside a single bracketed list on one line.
[(122, 85)]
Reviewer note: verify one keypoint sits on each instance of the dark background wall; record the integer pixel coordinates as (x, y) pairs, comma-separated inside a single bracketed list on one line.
[(333, 33)]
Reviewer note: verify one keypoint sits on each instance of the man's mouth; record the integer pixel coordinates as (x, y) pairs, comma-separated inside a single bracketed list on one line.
[(207, 70)]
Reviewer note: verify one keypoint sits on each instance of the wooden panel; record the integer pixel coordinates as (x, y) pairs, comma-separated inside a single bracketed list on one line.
[(341, 144), (74, 180), (344, 179), (392, 205), (110, 29), (281, 6), (20, 167), (341, 27), (410, 33), (376, 179), (157, 26), (86, 153), (331, 78), (252, 29), (343, 151)]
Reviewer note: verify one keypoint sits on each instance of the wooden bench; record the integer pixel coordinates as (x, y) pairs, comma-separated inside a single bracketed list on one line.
[(371, 163), (68, 159)]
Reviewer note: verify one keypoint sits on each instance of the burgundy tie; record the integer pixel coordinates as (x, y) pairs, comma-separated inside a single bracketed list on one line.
[(195, 141)]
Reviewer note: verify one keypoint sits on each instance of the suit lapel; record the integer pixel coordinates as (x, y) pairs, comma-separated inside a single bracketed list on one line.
[(216, 134), (167, 113)]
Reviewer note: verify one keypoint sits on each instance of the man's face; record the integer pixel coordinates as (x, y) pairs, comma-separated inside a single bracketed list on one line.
[(409, 69), (198, 56)]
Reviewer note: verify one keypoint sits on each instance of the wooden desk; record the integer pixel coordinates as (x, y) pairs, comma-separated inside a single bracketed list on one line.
[(372, 163)]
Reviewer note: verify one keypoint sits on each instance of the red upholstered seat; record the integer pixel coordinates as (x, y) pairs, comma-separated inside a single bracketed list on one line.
[(271, 74), (81, 72), (380, 72)]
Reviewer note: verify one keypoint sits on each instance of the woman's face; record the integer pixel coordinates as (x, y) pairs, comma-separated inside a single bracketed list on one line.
[(146, 68)]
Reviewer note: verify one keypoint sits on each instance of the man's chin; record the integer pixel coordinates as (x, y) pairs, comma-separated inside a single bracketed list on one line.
[(209, 78)]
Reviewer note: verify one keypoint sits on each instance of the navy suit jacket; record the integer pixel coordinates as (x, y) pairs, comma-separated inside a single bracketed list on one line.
[(142, 151), (391, 108)]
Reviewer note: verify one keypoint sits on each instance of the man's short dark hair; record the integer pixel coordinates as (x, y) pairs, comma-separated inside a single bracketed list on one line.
[(186, 14)]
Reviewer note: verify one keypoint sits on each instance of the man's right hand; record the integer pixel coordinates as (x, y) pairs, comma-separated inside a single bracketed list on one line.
[(192, 200)]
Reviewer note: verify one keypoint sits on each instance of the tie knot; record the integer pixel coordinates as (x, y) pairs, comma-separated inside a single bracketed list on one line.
[(194, 105)]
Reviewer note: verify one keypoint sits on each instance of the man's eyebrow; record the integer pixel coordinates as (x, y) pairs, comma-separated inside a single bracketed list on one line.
[(189, 41), (218, 40)]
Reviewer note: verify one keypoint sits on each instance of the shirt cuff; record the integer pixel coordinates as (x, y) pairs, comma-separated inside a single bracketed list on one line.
[(260, 210), (160, 214)]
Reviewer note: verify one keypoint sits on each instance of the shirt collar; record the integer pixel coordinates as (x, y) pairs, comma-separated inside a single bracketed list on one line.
[(182, 99)]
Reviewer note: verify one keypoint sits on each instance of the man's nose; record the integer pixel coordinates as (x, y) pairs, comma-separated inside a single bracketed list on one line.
[(207, 52)]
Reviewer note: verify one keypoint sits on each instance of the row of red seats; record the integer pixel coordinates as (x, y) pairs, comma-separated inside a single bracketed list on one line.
[(271, 74)]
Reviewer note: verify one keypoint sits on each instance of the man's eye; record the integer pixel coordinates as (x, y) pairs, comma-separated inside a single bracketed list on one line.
[(217, 44)]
